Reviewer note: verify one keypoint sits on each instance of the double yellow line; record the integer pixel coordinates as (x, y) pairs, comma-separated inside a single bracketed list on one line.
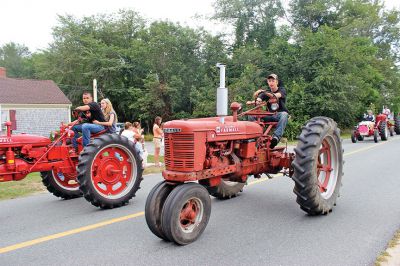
[(119, 219)]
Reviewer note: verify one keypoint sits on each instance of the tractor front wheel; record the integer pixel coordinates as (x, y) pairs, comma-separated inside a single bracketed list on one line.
[(186, 213), (61, 185), (353, 137), (376, 135), (109, 171), (318, 166), (154, 205), (225, 190)]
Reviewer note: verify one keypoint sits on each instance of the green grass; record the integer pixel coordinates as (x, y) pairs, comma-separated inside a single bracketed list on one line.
[(14, 189), (384, 256), (33, 183)]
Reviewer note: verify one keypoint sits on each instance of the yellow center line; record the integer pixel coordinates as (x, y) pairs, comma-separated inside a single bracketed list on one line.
[(70, 232), (124, 218)]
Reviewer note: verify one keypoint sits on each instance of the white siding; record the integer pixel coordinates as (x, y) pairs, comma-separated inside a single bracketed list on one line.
[(38, 121)]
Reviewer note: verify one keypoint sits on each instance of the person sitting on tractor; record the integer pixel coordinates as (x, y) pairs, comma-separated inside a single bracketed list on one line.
[(281, 115), (386, 111), (109, 115), (90, 111), (369, 117)]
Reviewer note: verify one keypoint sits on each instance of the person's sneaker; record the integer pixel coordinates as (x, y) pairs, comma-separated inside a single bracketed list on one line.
[(274, 142)]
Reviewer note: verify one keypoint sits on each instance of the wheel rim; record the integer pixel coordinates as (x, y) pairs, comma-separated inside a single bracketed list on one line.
[(327, 167), (191, 214), (113, 171), (66, 181)]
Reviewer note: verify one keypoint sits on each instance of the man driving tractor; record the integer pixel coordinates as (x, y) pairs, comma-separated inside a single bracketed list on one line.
[(90, 111), (276, 102)]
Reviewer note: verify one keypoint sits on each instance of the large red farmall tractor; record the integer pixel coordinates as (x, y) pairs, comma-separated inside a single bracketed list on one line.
[(107, 172), (382, 127), (215, 156)]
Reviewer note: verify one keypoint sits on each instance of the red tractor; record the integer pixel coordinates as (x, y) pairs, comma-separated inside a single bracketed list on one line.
[(382, 127), (107, 172), (215, 156)]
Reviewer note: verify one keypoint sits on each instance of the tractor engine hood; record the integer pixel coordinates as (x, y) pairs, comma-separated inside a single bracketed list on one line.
[(23, 139), (214, 129)]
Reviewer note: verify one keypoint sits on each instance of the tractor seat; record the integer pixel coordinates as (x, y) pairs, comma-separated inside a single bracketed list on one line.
[(99, 133)]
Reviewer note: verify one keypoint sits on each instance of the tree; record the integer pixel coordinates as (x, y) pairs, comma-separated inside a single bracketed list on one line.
[(16, 59), (254, 21)]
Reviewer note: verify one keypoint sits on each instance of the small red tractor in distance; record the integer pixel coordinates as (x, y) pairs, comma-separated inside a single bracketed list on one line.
[(107, 172), (382, 127), (215, 156)]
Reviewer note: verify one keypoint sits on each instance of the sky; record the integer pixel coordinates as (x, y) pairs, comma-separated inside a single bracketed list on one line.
[(30, 22)]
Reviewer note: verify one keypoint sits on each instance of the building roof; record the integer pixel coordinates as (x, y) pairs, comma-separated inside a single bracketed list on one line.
[(29, 91)]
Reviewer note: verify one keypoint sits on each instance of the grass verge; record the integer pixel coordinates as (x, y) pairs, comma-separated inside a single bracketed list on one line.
[(33, 182), (385, 256), (14, 189)]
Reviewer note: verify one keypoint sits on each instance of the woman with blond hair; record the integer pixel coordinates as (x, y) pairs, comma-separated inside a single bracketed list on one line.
[(157, 137), (109, 115)]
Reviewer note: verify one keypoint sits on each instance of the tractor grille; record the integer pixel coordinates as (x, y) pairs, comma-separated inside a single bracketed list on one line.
[(179, 151)]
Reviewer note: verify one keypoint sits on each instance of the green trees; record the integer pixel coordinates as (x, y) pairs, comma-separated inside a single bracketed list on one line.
[(16, 58)]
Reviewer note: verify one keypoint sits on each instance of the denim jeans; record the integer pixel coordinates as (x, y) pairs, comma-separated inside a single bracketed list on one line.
[(280, 117), (139, 149), (86, 129)]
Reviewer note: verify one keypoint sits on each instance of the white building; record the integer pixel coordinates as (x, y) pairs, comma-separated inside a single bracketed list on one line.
[(33, 106)]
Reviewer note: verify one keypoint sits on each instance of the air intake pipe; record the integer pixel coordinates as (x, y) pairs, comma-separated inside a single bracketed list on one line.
[(222, 95)]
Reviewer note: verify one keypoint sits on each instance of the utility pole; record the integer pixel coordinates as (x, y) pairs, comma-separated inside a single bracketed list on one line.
[(95, 90)]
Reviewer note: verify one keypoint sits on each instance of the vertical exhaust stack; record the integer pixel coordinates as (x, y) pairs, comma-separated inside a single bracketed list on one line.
[(222, 95)]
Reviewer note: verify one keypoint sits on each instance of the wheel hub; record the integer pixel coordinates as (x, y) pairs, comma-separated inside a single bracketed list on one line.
[(111, 171), (190, 215)]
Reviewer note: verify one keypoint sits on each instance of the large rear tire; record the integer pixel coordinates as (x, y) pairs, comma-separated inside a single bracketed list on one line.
[(154, 205), (318, 166), (61, 185), (109, 171), (383, 130), (186, 213), (225, 190), (397, 125)]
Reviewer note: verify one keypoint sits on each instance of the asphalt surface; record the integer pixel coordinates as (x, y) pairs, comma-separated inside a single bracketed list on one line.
[(262, 226)]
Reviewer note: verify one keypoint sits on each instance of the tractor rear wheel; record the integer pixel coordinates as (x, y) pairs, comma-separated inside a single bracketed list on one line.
[(154, 205), (353, 137), (109, 171), (318, 166), (225, 190), (186, 213), (383, 130), (61, 185), (397, 125)]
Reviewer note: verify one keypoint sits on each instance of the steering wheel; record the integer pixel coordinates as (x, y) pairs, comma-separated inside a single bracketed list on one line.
[(81, 115), (273, 100)]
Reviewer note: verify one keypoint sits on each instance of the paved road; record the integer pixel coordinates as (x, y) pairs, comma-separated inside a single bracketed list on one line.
[(263, 226), (149, 145)]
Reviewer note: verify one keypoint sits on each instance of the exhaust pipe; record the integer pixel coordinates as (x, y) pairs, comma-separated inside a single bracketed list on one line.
[(222, 95)]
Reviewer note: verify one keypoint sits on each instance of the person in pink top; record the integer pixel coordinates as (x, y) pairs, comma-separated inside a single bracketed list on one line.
[(157, 137)]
